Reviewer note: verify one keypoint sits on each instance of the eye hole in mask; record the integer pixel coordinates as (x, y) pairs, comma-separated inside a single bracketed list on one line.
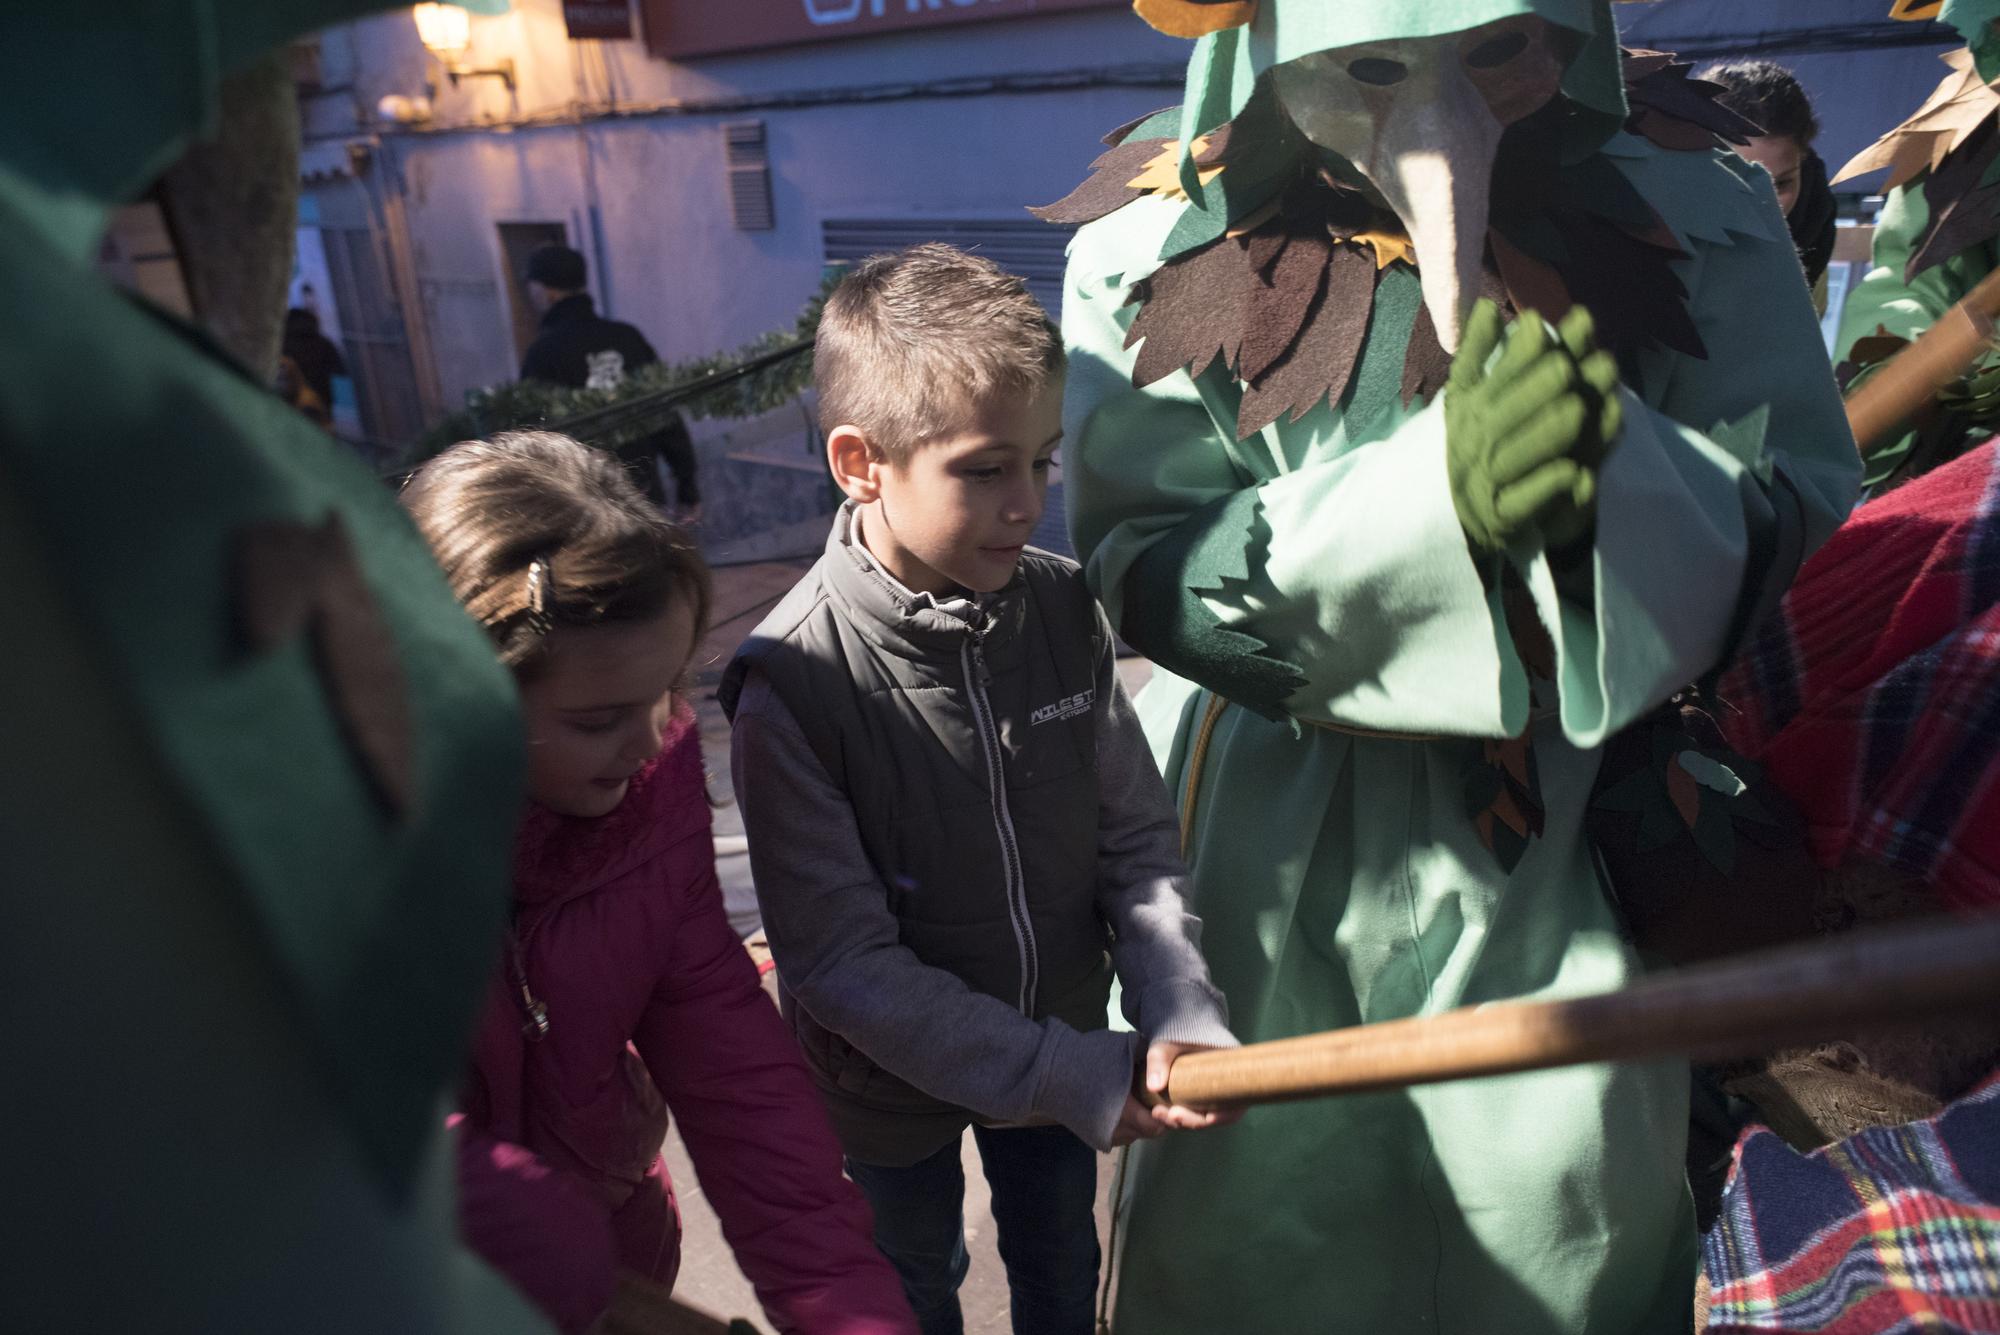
[(1497, 51), (1378, 72)]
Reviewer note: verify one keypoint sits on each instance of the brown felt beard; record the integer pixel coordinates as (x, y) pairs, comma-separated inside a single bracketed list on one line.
[(1421, 119)]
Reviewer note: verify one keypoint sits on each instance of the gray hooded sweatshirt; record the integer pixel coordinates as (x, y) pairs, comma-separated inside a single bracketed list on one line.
[(957, 831)]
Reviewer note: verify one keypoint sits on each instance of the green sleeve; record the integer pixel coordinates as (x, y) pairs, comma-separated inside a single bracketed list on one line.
[(1335, 585), (1884, 299), (1731, 470)]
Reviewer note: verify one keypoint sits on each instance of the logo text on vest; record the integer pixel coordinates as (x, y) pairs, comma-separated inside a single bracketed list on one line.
[(1067, 707)]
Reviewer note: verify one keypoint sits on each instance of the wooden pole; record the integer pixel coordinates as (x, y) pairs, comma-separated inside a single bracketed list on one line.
[(1888, 399), (1740, 1007)]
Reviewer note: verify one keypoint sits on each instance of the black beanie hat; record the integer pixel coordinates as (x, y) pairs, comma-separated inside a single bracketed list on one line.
[(558, 267)]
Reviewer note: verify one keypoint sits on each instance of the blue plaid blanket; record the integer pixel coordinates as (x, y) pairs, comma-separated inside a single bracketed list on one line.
[(1893, 1230)]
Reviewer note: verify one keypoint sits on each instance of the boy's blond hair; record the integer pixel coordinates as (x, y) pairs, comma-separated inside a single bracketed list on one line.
[(913, 342)]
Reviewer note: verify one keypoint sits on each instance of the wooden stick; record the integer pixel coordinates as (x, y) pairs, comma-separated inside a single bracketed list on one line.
[(1740, 1007), (1888, 399)]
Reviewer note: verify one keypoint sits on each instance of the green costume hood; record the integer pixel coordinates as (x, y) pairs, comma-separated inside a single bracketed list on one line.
[(1974, 20), (1435, 132), (151, 68), (1227, 64)]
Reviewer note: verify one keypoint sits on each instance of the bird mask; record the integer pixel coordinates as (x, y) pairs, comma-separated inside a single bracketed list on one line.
[(1413, 95)]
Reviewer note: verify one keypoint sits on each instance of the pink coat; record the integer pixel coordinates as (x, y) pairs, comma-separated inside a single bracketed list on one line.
[(620, 935)]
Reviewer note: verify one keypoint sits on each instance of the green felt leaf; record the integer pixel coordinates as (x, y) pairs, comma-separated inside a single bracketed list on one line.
[(1744, 439), (1633, 793), (1482, 784), (1213, 551), (1659, 826), (1712, 774), (1749, 807), (1715, 835), (1508, 848)]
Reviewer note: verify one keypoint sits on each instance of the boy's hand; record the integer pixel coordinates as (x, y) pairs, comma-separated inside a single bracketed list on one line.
[(1524, 440), (1159, 1061), (1135, 1122)]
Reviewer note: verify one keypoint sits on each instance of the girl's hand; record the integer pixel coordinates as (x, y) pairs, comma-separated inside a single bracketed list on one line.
[(1159, 1060)]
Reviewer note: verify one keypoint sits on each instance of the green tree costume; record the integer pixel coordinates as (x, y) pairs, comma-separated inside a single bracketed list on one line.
[(257, 776), (1938, 235), (1263, 489)]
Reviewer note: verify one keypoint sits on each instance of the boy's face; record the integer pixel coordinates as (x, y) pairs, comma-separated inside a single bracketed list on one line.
[(598, 705), (958, 511)]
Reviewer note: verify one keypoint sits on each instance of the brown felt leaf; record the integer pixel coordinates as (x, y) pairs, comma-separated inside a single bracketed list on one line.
[(1531, 285), (1641, 63), (1946, 119), (291, 577), (1256, 219), (1669, 132), (1685, 790), (1628, 285), (1108, 187), (1426, 365), (1192, 312), (1280, 302), (1323, 357), (1677, 111), (1124, 132), (1964, 211)]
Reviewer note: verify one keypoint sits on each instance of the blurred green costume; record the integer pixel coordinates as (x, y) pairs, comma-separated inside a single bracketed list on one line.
[(1938, 235), (1385, 743), (257, 776)]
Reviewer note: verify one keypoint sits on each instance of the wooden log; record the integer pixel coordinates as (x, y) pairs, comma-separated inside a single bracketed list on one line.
[(1740, 1007), (1887, 400)]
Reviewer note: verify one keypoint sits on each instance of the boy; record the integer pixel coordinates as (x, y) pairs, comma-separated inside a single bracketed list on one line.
[(953, 814)]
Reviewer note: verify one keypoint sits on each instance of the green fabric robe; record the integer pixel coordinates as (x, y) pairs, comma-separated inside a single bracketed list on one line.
[(243, 945), (1339, 876), (1884, 300)]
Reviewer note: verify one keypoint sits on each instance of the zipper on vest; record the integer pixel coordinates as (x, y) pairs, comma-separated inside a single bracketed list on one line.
[(973, 658)]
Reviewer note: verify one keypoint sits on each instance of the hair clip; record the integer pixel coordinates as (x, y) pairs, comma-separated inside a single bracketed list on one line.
[(539, 579)]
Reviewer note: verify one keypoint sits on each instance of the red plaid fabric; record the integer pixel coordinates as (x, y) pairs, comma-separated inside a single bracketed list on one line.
[(1873, 698)]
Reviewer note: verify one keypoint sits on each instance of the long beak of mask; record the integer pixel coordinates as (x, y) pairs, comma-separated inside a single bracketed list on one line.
[(1421, 120), (1432, 160)]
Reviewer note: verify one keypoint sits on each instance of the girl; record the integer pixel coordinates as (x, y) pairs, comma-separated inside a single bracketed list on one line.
[(622, 991)]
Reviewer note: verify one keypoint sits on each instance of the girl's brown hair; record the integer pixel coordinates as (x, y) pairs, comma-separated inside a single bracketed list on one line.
[(536, 531)]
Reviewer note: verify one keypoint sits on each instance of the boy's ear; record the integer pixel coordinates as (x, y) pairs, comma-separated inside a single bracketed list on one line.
[(854, 463)]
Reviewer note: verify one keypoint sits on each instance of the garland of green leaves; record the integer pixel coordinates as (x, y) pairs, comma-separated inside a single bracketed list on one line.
[(533, 403)]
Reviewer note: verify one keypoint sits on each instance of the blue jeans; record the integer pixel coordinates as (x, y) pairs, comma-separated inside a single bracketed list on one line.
[(1044, 1183)]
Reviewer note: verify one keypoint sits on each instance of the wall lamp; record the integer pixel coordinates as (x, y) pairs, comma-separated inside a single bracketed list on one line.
[(446, 32)]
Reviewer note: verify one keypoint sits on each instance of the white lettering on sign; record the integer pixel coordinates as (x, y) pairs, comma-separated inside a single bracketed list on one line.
[(825, 12), (1067, 707)]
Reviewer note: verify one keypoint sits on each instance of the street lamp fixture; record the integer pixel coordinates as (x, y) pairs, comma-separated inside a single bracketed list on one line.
[(446, 32)]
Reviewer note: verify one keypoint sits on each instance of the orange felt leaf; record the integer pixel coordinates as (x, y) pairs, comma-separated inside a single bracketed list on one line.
[(1958, 106), (1388, 246), (1162, 172), (1685, 791), (1180, 18)]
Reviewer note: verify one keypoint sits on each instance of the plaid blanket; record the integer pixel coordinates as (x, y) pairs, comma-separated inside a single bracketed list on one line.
[(1873, 698), (1893, 1230)]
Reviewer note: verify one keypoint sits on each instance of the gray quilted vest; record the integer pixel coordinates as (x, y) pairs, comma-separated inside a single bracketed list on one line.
[(964, 739)]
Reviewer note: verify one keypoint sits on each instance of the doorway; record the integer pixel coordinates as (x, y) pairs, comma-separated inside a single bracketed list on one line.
[(518, 240)]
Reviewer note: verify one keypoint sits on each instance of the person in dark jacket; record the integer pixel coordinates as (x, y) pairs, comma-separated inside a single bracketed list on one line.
[(1771, 96), (316, 355), (580, 349)]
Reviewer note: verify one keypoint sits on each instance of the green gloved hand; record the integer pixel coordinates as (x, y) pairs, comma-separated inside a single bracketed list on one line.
[(1524, 440)]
